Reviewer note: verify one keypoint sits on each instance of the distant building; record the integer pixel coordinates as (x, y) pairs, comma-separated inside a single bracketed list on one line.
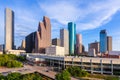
[(1, 48), (23, 46), (103, 41), (56, 42), (78, 43), (9, 29), (92, 52), (16, 52), (64, 38), (95, 46), (30, 42), (112, 54), (83, 48), (55, 50), (109, 43), (72, 37), (43, 36)]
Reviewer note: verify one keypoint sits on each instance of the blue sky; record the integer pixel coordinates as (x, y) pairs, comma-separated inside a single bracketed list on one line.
[(90, 17)]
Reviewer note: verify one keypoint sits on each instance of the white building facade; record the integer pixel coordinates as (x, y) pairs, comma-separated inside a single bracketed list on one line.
[(55, 50)]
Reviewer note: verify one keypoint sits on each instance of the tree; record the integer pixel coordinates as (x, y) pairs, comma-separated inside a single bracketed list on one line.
[(21, 58), (65, 75), (77, 72), (58, 76), (37, 77), (2, 77), (13, 63), (9, 60), (33, 76), (14, 76)]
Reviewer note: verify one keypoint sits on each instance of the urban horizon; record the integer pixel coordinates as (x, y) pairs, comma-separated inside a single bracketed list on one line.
[(91, 33), (60, 40)]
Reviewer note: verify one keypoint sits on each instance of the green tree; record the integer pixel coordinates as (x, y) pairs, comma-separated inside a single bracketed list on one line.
[(28, 77), (77, 72), (9, 65), (13, 63), (58, 76), (65, 75), (37, 77), (2, 77), (21, 58), (14, 76)]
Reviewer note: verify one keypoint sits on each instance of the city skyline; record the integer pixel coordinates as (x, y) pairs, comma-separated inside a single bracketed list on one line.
[(90, 26)]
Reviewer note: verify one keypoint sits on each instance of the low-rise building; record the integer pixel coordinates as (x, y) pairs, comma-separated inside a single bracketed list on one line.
[(56, 41), (90, 64), (112, 54), (94, 45), (92, 52), (55, 50), (16, 52)]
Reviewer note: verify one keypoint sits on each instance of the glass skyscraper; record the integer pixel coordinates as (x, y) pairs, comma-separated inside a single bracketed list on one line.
[(103, 41), (72, 37)]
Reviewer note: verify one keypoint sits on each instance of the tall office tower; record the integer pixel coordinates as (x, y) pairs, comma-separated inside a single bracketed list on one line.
[(56, 42), (95, 45), (72, 37), (43, 35), (64, 38), (78, 43), (30, 42), (109, 43), (9, 29), (23, 45), (103, 41), (78, 39)]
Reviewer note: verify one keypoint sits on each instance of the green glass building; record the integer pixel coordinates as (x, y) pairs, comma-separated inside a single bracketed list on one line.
[(72, 37)]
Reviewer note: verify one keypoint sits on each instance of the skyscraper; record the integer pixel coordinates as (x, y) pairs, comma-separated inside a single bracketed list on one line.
[(72, 37), (23, 46), (109, 43), (103, 41), (43, 35), (56, 41), (78, 39), (9, 29), (64, 38), (78, 43), (30, 42)]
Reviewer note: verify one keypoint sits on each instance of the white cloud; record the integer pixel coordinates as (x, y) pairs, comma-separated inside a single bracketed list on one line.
[(93, 15), (61, 11), (25, 22), (25, 15)]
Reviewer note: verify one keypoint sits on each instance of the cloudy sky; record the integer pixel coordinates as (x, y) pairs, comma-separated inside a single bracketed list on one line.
[(90, 17)]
